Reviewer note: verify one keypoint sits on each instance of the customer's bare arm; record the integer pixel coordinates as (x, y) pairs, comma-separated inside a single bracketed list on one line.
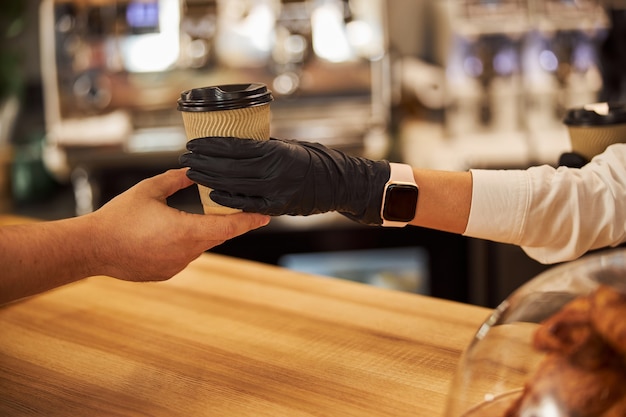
[(134, 237)]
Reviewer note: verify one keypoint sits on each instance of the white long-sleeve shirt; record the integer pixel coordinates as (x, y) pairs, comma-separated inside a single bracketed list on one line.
[(554, 214)]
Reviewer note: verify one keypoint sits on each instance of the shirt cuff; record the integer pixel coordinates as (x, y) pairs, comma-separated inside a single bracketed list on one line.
[(500, 200)]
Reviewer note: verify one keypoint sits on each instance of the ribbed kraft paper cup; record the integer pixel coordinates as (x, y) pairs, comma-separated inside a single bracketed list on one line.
[(589, 141), (594, 127), (251, 123), (213, 111)]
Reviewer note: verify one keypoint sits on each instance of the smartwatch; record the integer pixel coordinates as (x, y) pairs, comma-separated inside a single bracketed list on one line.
[(399, 196)]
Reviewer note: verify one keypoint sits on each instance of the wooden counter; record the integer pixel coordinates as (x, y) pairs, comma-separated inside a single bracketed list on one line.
[(228, 337)]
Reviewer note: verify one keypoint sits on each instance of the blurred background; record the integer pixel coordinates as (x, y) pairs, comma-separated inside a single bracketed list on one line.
[(88, 93)]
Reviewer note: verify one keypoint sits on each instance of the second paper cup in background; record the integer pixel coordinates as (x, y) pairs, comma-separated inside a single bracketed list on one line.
[(235, 110), (595, 127)]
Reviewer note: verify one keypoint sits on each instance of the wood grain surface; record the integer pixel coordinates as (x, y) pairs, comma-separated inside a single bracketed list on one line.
[(228, 337)]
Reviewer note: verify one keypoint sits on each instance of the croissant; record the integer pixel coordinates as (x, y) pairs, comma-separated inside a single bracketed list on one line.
[(584, 371)]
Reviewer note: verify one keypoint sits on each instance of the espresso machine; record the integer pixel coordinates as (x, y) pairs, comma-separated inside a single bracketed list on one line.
[(517, 65), (113, 69)]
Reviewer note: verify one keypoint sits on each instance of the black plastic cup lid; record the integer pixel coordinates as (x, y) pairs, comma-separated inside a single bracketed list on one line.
[(597, 114), (224, 97)]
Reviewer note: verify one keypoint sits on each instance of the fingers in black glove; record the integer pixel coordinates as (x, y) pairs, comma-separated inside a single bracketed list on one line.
[(287, 177), (572, 160), (260, 176)]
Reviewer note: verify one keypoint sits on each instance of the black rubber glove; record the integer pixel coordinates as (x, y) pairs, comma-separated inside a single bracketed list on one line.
[(572, 160), (278, 177)]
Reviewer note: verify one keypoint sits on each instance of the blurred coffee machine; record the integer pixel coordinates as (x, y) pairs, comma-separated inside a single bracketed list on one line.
[(113, 69), (517, 65)]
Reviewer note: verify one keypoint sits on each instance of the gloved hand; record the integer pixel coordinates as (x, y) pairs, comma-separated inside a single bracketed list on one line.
[(278, 177), (572, 160)]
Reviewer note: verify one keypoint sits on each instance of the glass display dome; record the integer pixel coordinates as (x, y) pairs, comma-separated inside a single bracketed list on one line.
[(555, 348)]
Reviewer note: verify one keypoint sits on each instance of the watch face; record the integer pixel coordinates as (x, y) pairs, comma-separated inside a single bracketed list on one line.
[(400, 202)]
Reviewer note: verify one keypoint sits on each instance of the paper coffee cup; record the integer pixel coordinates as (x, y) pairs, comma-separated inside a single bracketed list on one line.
[(236, 110), (596, 126)]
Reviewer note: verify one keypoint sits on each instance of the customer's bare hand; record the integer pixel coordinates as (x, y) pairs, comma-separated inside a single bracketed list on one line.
[(141, 238), (135, 237)]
